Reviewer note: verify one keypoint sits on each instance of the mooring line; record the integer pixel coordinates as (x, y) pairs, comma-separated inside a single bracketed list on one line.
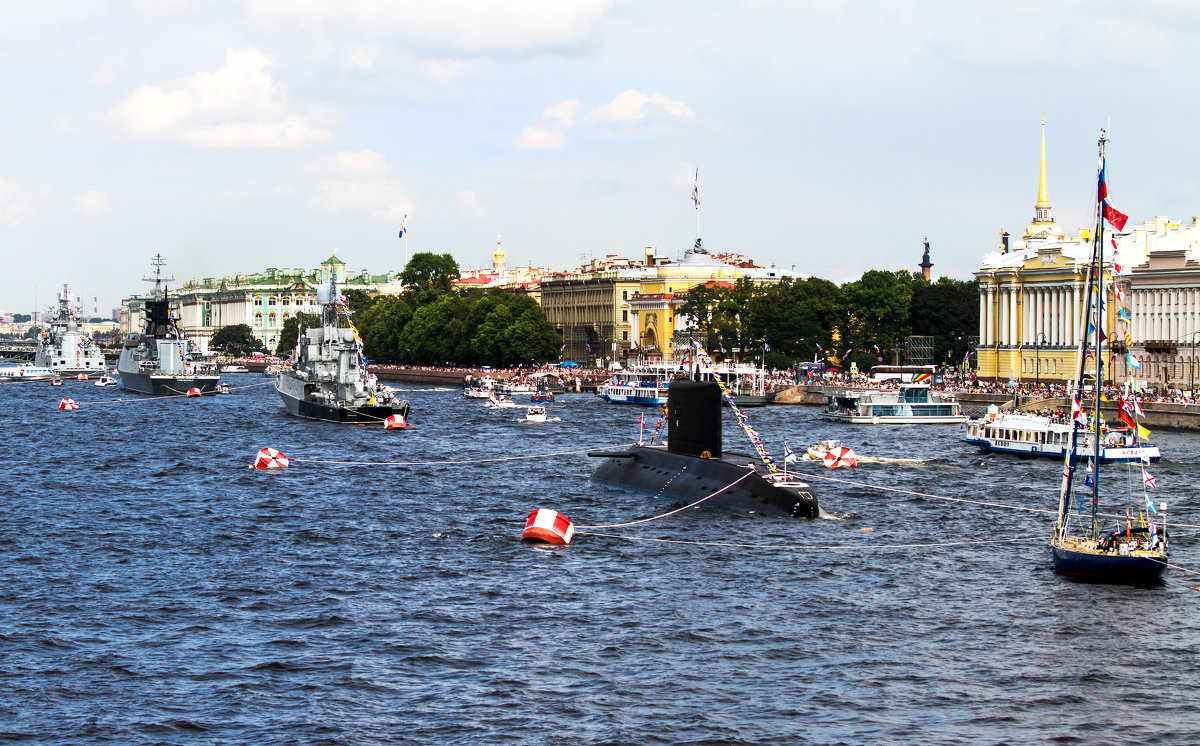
[(673, 512), (813, 547)]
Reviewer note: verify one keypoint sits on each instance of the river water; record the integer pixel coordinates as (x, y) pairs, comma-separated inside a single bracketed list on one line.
[(153, 589)]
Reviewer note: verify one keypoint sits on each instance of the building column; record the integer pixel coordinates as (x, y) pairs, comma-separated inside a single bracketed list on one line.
[(983, 309), (1012, 316)]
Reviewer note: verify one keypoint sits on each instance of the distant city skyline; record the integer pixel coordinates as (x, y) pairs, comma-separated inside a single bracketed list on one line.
[(832, 137)]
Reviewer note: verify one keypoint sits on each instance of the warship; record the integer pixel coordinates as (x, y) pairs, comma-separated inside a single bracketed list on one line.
[(64, 347), (693, 465), (328, 378), (156, 360)]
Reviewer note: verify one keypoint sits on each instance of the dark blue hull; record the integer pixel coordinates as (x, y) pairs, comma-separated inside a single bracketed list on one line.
[(1106, 568)]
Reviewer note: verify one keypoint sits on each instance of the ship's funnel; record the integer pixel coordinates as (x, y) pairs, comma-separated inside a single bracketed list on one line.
[(694, 425)]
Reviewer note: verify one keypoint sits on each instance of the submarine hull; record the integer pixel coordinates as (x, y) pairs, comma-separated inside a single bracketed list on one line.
[(741, 487)]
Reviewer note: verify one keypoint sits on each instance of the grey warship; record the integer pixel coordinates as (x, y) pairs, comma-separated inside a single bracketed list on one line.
[(328, 378), (692, 465), (156, 361), (64, 347)]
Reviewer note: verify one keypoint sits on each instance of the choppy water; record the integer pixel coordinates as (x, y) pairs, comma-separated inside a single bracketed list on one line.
[(155, 590)]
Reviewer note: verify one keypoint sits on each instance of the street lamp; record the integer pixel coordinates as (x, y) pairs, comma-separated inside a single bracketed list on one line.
[(1038, 341), (1192, 367)]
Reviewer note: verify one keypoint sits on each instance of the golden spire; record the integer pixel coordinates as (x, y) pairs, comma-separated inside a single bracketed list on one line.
[(1043, 193)]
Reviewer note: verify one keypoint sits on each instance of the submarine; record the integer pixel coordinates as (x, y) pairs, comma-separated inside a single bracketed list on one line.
[(692, 465)]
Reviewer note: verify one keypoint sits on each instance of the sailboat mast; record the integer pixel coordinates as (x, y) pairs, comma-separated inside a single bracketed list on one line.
[(1098, 270), (1070, 459)]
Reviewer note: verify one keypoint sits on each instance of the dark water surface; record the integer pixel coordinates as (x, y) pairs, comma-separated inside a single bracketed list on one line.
[(155, 590)]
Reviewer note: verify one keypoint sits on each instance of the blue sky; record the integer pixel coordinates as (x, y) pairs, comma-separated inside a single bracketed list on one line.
[(830, 136)]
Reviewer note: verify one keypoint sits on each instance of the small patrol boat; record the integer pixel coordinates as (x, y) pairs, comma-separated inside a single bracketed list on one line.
[(328, 378), (64, 347)]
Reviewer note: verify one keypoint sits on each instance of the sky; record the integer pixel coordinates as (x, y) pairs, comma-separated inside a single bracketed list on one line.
[(829, 137)]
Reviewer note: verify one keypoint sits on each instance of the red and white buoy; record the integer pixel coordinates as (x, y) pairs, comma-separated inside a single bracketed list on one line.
[(840, 458), (81, 377), (193, 391), (269, 458), (69, 405), (395, 422), (549, 526)]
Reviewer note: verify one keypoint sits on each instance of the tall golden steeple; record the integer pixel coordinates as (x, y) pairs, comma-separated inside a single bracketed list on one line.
[(1043, 224), (1043, 192)]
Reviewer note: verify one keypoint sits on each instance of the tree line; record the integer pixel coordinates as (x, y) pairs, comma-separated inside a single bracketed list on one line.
[(865, 321), (868, 321)]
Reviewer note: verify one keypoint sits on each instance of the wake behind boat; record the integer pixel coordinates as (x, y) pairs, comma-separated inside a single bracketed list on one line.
[(328, 379), (157, 361)]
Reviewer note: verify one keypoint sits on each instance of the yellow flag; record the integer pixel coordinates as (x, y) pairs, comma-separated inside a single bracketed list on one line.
[(1143, 433)]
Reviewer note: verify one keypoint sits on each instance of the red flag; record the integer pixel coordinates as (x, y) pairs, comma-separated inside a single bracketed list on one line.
[(1114, 216)]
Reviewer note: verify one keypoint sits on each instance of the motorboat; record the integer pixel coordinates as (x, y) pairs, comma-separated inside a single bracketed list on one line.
[(909, 404)]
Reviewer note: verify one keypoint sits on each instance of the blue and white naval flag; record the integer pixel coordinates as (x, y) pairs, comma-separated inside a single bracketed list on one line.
[(403, 226), (789, 456)]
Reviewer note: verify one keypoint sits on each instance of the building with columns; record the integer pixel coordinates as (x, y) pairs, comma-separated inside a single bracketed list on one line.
[(1031, 296)]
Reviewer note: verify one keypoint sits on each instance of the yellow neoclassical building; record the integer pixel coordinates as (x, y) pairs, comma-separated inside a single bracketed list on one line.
[(1031, 297)]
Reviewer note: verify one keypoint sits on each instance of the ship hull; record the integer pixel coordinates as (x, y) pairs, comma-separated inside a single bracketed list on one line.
[(1108, 568), (654, 470), (300, 406), (165, 385)]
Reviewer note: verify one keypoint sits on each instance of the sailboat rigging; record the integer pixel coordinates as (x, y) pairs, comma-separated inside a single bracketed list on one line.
[(1136, 553)]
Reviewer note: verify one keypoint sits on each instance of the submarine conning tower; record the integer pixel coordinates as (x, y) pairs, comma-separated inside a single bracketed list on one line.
[(694, 418)]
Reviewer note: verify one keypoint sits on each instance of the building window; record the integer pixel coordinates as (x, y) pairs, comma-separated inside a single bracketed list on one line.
[(271, 320), (625, 316), (624, 295), (258, 320), (624, 336), (271, 301), (287, 301), (258, 300)]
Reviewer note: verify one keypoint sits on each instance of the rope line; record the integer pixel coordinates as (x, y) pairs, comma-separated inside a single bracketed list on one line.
[(673, 512), (815, 547)]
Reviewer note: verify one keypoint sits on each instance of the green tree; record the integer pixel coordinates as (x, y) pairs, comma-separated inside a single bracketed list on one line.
[(876, 307), (358, 300), (428, 275), (431, 336), (797, 319), (381, 325), (21, 318), (292, 328), (236, 340)]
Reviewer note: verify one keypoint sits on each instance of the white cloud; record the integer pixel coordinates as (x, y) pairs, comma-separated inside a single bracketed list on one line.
[(238, 105), (459, 27), (92, 203), (630, 107), (470, 204), (564, 111), (537, 138), (358, 182), (361, 58), (18, 201)]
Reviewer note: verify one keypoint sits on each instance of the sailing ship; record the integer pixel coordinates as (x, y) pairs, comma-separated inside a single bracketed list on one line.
[(1137, 551), (156, 360), (64, 347), (328, 378)]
